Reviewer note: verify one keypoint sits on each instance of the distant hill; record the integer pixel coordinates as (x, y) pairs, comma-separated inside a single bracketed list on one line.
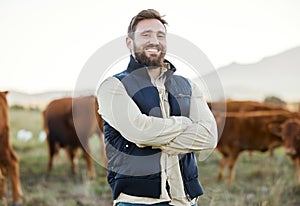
[(277, 75), (39, 100)]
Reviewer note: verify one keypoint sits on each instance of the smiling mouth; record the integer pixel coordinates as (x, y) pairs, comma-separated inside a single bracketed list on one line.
[(152, 51)]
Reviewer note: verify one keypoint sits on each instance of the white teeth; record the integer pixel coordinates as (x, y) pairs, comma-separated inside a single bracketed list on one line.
[(152, 50)]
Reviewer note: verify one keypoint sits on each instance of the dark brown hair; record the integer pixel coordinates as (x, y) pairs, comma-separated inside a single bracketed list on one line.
[(144, 14)]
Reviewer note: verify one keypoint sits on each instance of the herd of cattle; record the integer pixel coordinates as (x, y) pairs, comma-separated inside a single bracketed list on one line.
[(69, 122), (255, 126)]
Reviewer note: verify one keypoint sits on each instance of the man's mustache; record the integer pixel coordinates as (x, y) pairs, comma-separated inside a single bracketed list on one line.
[(151, 46)]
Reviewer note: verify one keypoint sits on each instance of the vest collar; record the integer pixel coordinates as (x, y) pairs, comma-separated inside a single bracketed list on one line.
[(134, 66)]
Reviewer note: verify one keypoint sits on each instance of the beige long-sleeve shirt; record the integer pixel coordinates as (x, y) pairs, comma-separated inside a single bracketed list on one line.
[(172, 134)]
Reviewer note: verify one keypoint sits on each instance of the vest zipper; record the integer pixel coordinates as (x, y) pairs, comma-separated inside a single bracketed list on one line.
[(182, 171)]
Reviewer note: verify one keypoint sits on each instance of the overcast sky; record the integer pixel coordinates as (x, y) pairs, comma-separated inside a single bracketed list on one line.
[(45, 44)]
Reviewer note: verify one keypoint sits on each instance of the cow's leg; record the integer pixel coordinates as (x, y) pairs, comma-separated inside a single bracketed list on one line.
[(3, 186), (14, 175), (53, 150), (73, 157), (50, 162), (297, 164), (89, 161), (231, 165), (104, 160), (103, 150), (273, 146), (223, 164)]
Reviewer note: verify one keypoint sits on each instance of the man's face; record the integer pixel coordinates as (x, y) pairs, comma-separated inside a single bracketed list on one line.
[(149, 42)]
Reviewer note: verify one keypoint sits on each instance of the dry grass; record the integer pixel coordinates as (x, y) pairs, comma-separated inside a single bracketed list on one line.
[(260, 180)]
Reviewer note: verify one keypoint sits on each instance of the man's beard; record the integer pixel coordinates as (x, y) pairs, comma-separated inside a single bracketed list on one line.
[(142, 58)]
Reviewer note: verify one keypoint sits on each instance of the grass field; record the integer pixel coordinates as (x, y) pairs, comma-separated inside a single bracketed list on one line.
[(260, 180)]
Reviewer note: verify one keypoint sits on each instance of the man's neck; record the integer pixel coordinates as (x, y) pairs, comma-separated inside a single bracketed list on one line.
[(154, 72)]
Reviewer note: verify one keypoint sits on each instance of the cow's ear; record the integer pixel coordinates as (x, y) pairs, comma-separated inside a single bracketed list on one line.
[(275, 128)]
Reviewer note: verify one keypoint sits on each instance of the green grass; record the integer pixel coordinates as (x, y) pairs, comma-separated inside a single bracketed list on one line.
[(260, 180), (58, 187)]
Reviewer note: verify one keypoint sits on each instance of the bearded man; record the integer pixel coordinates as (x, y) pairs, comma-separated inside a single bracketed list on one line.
[(154, 121)]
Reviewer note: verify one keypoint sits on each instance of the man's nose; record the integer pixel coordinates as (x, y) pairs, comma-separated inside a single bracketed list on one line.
[(154, 40)]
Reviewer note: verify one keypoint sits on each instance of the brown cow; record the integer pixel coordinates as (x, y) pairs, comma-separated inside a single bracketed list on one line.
[(9, 163), (218, 108), (243, 106), (247, 131), (290, 132), (69, 122)]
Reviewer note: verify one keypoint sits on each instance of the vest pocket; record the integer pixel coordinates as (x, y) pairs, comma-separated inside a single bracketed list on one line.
[(180, 95), (180, 104)]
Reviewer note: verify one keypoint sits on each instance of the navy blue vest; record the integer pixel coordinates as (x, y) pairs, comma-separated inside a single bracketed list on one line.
[(136, 171)]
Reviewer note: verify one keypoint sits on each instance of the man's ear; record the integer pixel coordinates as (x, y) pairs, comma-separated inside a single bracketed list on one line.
[(275, 128), (129, 43)]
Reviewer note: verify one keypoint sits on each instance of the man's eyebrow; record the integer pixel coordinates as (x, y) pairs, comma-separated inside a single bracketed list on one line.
[(146, 31), (161, 32)]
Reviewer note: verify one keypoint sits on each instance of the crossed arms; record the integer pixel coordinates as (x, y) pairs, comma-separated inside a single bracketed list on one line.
[(173, 135)]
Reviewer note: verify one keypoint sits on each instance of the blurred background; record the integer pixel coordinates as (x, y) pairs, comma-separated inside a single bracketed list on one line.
[(253, 45)]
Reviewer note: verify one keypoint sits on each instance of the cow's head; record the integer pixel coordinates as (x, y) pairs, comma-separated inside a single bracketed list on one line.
[(289, 131), (3, 106), (3, 95), (291, 136)]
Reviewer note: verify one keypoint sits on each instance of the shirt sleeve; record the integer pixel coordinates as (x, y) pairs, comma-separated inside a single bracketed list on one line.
[(201, 135), (120, 111)]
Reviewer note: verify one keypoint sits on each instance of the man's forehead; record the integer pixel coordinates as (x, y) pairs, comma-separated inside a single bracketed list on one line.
[(153, 25)]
